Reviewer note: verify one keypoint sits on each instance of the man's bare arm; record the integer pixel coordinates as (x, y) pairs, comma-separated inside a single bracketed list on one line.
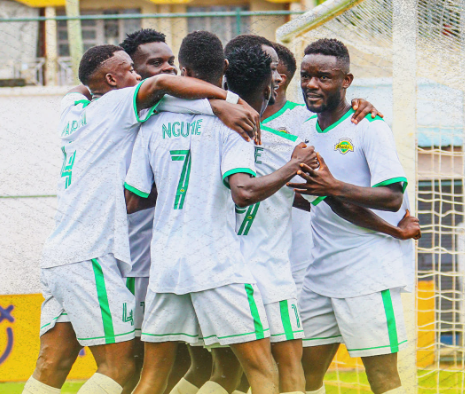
[(81, 89), (322, 183), (408, 227), (136, 203), (246, 190)]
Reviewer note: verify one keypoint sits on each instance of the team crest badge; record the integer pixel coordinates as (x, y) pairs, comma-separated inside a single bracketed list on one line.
[(344, 146), (284, 130)]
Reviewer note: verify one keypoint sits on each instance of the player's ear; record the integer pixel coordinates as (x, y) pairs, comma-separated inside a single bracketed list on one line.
[(267, 92), (111, 80), (347, 80), (226, 66), (283, 79)]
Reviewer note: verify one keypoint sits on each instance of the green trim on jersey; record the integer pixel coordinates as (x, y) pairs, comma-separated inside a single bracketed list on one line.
[(286, 320), (394, 180), (103, 302), (370, 119), (254, 310), (131, 285), (346, 115), (391, 320), (311, 117), (136, 191), (248, 219), (134, 100), (318, 200), (290, 137), (288, 105), (235, 171), (84, 103)]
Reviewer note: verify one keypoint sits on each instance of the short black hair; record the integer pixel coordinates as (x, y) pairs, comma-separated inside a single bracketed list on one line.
[(249, 68), (143, 36), (330, 47), (202, 52), (93, 59), (246, 41), (286, 57)]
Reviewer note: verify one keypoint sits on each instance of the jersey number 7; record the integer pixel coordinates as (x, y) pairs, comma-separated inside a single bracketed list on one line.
[(185, 156), (250, 214)]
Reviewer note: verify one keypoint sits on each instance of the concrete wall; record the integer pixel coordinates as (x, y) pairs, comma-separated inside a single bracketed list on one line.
[(30, 162), (18, 41)]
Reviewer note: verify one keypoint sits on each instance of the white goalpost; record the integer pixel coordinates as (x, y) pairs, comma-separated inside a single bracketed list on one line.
[(408, 59)]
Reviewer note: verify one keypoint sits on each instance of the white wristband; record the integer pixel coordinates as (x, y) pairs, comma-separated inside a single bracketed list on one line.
[(232, 98)]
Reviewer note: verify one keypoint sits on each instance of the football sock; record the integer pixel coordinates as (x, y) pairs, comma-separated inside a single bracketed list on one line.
[(184, 387), (212, 388), (398, 390), (100, 384), (33, 386), (321, 390)]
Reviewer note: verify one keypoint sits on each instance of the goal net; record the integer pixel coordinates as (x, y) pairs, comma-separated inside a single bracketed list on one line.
[(425, 69)]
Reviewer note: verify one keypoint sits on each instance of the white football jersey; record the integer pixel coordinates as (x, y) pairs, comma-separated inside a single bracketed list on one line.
[(194, 245), (265, 227), (349, 260), (97, 139), (290, 119), (141, 223)]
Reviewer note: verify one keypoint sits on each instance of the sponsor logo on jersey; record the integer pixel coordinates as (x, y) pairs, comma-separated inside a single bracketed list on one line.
[(344, 145), (127, 317)]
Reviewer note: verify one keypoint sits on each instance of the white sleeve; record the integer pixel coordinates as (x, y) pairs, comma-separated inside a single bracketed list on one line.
[(183, 106), (139, 178), (381, 155), (70, 100), (237, 155)]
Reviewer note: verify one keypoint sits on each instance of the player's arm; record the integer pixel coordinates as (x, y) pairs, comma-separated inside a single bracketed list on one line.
[(134, 202), (362, 108), (322, 183), (247, 190), (408, 227), (81, 89), (240, 117)]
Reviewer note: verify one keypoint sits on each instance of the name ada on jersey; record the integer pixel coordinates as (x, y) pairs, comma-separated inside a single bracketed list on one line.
[(194, 245)]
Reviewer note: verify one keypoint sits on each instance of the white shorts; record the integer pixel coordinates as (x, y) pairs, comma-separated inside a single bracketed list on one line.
[(368, 325), (92, 296), (284, 320), (138, 286), (226, 315)]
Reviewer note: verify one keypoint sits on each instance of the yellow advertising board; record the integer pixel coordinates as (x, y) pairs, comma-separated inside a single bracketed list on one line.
[(43, 3), (19, 340)]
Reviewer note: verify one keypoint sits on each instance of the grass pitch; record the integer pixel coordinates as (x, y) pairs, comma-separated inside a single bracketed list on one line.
[(343, 383)]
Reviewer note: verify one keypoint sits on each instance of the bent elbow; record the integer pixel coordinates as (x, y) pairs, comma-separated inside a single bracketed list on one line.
[(242, 199), (396, 202)]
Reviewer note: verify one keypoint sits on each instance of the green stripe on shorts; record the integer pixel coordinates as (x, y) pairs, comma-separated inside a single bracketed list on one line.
[(103, 302), (284, 309), (391, 321), (131, 285), (254, 310)]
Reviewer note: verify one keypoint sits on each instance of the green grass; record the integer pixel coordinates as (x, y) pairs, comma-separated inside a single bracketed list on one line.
[(449, 383)]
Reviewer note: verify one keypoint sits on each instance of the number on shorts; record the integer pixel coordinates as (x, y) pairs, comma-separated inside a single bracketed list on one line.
[(249, 218), (185, 156), (67, 168)]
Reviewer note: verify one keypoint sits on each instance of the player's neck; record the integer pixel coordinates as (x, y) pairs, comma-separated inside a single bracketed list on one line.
[(329, 117), (277, 106)]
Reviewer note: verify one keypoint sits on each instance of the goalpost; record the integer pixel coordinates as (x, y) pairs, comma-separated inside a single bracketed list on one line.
[(408, 58)]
